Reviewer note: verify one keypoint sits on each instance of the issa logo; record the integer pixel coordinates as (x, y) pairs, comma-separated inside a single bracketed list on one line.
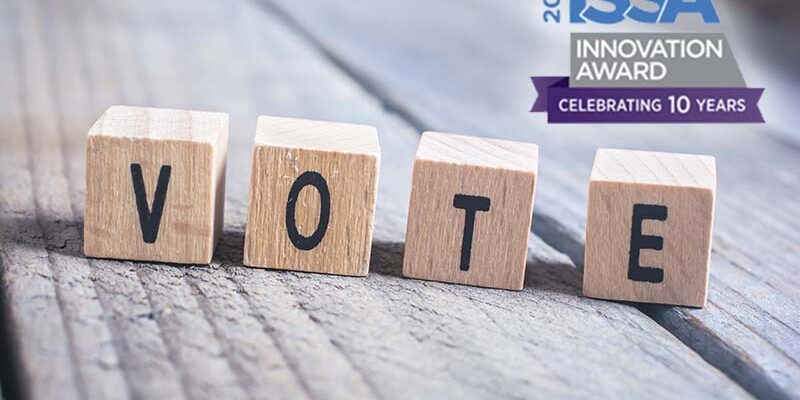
[(615, 11), (645, 77)]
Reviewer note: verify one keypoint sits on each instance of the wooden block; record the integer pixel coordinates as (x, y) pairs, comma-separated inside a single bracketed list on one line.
[(312, 196), (648, 236), (155, 184), (470, 211)]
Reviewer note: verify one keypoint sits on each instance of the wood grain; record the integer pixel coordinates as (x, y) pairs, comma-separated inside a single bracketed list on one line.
[(312, 196), (648, 235), (750, 326), (483, 243), (168, 165), (114, 329)]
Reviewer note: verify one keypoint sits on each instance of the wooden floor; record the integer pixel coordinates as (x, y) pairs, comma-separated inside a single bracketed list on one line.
[(77, 328)]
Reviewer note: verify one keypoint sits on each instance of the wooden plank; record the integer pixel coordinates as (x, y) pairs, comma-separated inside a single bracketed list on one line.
[(63, 315), (750, 328), (224, 331)]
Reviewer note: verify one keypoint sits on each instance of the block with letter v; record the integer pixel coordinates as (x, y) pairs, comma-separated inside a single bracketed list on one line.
[(155, 184)]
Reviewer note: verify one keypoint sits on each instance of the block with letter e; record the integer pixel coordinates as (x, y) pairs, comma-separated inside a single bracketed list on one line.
[(155, 184), (648, 234), (312, 196), (470, 211)]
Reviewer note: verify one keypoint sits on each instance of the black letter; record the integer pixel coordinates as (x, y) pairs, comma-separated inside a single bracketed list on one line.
[(470, 204), (150, 220), (636, 272), (308, 178)]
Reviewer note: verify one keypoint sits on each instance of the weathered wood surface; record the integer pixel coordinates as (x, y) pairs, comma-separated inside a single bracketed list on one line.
[(446, 66), (85, 328)]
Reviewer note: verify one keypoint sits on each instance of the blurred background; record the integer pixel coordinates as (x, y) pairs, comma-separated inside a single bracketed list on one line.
[(767, 35)]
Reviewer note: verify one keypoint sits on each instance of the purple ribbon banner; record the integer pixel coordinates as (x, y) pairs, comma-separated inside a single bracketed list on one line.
[(564, 104)]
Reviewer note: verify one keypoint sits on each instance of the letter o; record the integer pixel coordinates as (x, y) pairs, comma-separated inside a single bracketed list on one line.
[(308, 178)]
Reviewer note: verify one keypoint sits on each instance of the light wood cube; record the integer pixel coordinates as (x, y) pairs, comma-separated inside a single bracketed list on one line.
[(648, 236), (312, 196), (470, 212), (155, 184)]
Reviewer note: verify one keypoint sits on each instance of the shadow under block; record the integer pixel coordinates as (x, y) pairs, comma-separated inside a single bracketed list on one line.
[(312, 196), (470, 212), (155, 184), (648, 236)]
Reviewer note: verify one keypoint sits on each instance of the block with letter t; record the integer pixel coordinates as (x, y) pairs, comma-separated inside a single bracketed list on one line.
[(470, 212), (648, 234), (155, 184), (312, 196)]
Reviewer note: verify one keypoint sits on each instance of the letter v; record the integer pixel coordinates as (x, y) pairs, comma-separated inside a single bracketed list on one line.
[(150, 219)]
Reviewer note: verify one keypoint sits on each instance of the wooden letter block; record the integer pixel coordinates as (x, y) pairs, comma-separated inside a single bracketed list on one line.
[(470, 211), (648, 236), (155, 184), (312, 196)]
